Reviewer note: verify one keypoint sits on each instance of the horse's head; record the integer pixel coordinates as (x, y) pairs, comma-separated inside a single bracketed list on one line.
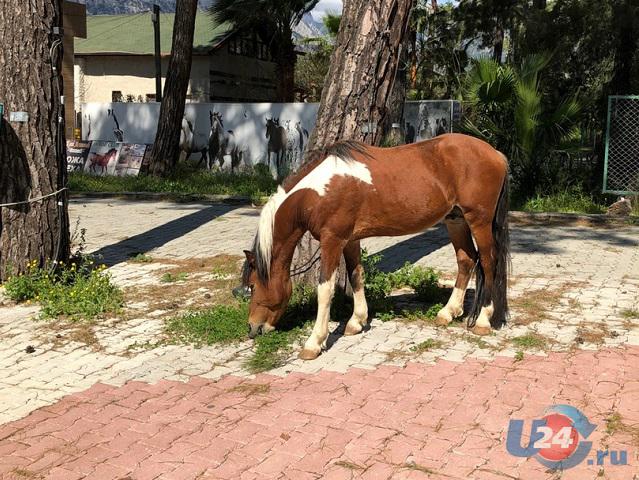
[(270, 125), (269, 297), (216, 120)]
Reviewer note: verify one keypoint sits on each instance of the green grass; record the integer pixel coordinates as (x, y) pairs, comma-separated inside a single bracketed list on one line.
[(630, 313), (174, 277), (186, 180), (519, 356), (567, 201), (78, 291), (140, 258), (219, 324), (530, 341)]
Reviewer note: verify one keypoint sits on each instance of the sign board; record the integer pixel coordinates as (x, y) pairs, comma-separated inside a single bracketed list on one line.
[(19, 117), (77, 153), (130, 159)]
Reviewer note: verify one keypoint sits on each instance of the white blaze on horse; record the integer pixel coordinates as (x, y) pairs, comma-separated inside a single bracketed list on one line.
[(352, 191)]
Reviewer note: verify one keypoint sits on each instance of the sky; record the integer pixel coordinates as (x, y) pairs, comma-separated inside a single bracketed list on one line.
[(326, 6)]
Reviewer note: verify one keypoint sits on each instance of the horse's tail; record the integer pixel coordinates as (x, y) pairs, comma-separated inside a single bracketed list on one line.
[(501, 238)]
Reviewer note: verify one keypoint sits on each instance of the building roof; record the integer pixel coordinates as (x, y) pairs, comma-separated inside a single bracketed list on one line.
[(133, 34)]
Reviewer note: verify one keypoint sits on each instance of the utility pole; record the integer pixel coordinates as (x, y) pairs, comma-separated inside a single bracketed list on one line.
[(158, 58)]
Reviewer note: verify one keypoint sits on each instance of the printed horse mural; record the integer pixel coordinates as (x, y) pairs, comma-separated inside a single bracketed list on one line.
[(276, 135), (353, 191), (222, 143), (189, 144), (101, 161)]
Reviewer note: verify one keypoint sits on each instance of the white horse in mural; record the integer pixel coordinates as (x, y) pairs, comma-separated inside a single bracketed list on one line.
[(223, 143), (189, 143)]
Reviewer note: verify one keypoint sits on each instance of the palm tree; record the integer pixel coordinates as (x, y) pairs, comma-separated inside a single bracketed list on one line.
[(273, 20), (509, 110)]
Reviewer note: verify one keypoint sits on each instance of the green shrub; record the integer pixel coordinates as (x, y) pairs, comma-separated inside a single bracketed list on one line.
[(378, 285), (78, 291), (572, 200)]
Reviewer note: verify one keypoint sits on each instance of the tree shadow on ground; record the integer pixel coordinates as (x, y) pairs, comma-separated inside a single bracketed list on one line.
[(161, 235)]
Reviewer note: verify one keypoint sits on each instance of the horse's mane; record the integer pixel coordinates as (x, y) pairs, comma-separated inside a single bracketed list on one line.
[(263, 242)]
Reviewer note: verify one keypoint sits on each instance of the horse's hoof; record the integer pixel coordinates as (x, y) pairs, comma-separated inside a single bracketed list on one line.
[(482, 331), (307, 354), (443, 318), (352, 329)]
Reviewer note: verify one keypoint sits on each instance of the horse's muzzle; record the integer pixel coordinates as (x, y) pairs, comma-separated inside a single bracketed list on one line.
[(255, 330)]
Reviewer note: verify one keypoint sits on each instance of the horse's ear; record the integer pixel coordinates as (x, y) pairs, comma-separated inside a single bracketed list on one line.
[(250, 257)]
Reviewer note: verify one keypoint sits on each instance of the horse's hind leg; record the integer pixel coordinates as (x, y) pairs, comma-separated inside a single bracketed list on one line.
[(483, 232), (352, 255), (466, 254), (331, 252)]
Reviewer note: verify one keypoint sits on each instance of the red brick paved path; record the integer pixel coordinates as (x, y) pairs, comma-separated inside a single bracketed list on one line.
[(448, 418)]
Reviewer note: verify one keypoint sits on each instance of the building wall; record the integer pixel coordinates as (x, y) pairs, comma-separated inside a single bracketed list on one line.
[(220, 77), (99, 76), (237, 78)]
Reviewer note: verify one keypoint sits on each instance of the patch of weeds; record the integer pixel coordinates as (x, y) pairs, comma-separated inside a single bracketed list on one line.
[(572, 200), (273, 348), (24, 473), (615, 423), (349, 465), (530, 341), (219, 324), (519, 356), (586, 335), (140, 258), (78, 291), (480, 342), (426, 345), (169, 277), (630, 313), (252, 388), (419, 468), (534, 305), (387, 316), (379, 285), (423, 315)]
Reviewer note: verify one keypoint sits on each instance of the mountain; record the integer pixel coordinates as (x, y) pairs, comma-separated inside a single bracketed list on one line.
[(118, 7), (308, 27)]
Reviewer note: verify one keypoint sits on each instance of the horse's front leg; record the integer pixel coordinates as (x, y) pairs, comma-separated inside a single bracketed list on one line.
[(331, 252), (352, 255)]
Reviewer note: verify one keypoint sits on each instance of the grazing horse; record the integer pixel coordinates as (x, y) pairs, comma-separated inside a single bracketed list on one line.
[(222, 143), (189, 144), (353, 191), (276, 135), (102, 161)]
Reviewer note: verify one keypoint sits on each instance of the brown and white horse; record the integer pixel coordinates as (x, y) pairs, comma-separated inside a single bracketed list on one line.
[(353, 191)]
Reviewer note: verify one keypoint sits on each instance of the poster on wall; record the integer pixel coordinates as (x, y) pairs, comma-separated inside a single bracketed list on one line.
[(77, 153), (103, 158), (130, 159), (426, 120)]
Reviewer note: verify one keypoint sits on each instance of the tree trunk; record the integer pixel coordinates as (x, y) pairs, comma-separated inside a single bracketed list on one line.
[(166, 147), (359, 83), (498, 44), (32, 153), (286, 58)]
